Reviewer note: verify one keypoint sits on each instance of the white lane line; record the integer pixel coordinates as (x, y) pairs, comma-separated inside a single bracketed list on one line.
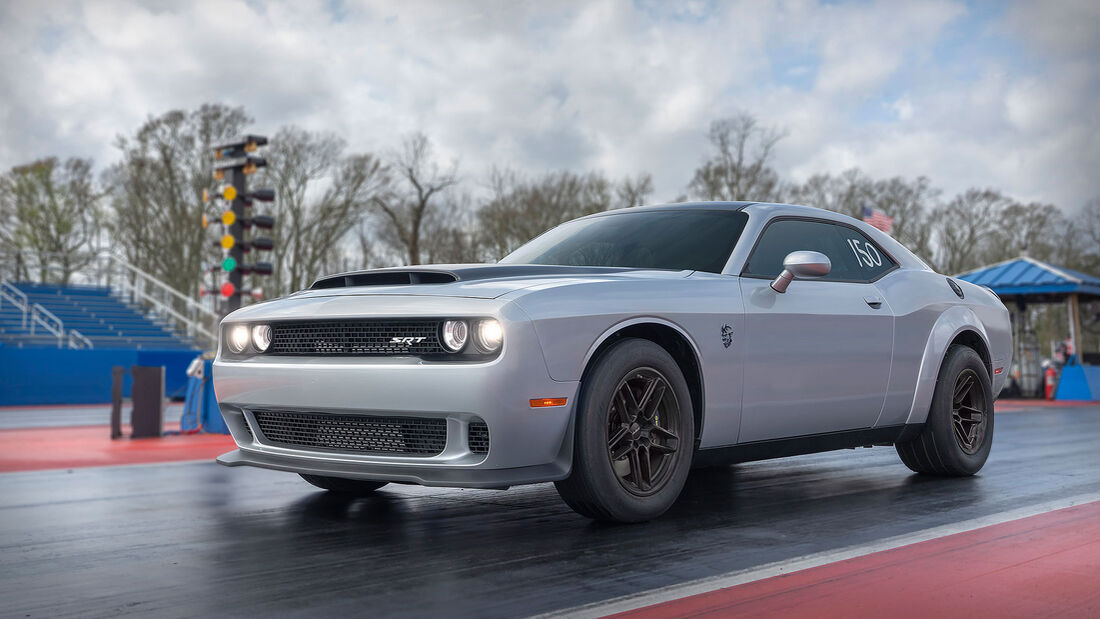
[(787, 566)]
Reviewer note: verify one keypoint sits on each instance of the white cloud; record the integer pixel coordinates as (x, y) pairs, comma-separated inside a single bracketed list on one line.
[(622, 86)]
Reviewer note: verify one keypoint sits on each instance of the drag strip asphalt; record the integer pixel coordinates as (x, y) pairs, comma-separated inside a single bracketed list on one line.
[(198, 539)]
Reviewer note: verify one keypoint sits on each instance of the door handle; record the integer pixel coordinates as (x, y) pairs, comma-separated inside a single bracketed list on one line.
[(874, 301)]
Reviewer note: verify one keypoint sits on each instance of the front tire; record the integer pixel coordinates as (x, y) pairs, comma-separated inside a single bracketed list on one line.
[(339, 485), (958, 434), (634, 436)]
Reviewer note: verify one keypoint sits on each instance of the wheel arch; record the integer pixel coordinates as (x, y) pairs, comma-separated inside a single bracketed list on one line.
[(668, 336), (971, 339)]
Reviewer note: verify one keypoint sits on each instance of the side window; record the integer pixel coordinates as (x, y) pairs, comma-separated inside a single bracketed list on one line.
[(854, 257), (866, 260)]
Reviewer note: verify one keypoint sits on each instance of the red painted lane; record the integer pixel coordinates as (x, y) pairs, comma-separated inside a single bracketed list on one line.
[(24, 407), (1038, 404), (35, 449), (1045, 565)]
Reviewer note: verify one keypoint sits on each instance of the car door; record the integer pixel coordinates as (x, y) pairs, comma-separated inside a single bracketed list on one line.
[(818, 356)]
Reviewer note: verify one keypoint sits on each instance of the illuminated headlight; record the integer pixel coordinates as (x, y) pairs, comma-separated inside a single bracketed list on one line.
[(489, 335), (455, 334), (238, 339), (261, 337)]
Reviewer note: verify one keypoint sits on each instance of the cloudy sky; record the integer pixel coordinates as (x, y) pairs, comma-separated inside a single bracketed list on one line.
[(992, 94)]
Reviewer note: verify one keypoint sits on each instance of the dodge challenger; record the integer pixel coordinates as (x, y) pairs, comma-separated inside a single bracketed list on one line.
[(615, 352)]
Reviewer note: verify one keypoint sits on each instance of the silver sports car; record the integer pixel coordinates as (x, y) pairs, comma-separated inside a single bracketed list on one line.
[(615, 352)]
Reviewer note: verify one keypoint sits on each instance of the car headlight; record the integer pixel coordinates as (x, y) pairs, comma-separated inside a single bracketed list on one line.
[(455, 334), (261, 337), (238, 339), (489, 335)]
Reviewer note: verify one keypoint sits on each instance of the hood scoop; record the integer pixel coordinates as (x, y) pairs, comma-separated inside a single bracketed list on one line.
[(384, 278), (446, 274)]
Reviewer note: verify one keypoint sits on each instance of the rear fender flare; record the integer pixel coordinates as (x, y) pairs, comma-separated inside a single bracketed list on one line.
[(948, 326)]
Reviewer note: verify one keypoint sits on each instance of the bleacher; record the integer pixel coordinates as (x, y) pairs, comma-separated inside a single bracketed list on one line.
[(106, 320)]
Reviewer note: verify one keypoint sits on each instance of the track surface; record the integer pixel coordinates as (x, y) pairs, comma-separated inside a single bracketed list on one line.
[(197, 539)]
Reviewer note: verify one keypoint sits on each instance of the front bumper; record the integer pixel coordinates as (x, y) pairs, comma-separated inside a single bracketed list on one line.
[(526, 445)]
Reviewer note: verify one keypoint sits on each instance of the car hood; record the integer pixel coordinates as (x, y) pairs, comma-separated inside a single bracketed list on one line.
[(479, 281)]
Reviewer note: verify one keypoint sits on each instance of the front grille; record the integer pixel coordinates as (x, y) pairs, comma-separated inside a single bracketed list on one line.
[(248, 429), (478, 437), (411, 436), (356, 338)]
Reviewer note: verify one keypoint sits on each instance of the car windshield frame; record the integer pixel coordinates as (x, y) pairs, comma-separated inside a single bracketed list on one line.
[(654, 239)]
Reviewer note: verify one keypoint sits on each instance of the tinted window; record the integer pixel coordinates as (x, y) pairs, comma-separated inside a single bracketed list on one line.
[(677, 240), (853, 255)]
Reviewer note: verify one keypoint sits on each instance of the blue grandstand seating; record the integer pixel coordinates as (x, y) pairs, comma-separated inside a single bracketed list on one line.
[(108, 321)]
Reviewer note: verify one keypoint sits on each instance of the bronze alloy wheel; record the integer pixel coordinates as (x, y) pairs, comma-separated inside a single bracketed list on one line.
[(642, 442), (968, 412)]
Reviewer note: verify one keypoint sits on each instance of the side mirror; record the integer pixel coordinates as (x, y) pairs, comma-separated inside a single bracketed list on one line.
[(801, 264)]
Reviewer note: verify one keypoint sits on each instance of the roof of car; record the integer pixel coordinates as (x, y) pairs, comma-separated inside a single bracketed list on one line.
[(731, 206)]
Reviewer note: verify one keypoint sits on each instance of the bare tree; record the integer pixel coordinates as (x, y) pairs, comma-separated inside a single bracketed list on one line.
[(963, 227), (51, 216), (845, 193), (451, 235), (1024, 229), (519, 209), (909, 202), (635, 191), (157, 191), (418, 187), (740, 167), (322, 197)]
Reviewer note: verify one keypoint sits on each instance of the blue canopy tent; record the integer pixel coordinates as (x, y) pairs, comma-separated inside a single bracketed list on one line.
[(1026, 280)]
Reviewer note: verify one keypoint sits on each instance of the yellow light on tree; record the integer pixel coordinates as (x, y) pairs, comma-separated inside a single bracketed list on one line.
[(229, 217), (228, 241), (229, 193)]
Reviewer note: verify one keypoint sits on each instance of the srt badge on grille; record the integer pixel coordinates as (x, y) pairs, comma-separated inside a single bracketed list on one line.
[(407, 341)]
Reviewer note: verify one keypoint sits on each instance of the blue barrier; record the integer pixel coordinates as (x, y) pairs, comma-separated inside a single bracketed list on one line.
[(1078, 382), (63, 376)]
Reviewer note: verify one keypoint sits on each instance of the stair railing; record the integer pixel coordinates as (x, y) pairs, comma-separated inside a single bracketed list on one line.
[(38, 316), (16, 297), (194, 328), (189, 316), (79, 341), (51, 323)]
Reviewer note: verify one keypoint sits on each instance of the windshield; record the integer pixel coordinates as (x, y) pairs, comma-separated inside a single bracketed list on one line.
[(694, 240)]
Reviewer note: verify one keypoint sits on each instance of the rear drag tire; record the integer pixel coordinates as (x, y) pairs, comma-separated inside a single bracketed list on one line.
[(938, 450), (351, 487)]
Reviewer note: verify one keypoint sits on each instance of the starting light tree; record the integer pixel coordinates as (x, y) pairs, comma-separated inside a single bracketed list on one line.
[(234, 161)]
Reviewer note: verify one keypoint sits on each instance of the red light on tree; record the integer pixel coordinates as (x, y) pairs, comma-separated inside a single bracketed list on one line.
[(228, 289)]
